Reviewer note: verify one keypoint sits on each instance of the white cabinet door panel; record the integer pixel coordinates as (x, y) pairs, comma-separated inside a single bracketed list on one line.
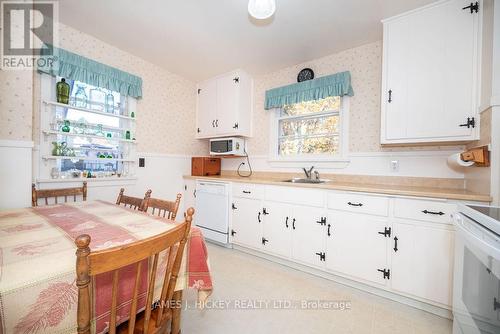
[(227, 103), (308, 235), (247, 222), (355, 247), (207, 108), (277, 228), (422, 266)]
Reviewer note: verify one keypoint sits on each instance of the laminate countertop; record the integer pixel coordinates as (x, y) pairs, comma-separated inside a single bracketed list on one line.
[(366, 187)]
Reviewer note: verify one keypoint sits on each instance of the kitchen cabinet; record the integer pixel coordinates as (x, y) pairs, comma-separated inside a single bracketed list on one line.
[(357, 246), (277, 228), (224, 106), (309, 228), (422, 260), (247, 222), (431, 74), (189, 197)]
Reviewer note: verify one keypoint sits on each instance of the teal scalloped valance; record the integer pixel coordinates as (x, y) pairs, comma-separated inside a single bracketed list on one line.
[(331, 85), (72, 66)]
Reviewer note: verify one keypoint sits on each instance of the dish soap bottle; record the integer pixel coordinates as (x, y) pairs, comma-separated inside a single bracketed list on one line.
[(62, 88)]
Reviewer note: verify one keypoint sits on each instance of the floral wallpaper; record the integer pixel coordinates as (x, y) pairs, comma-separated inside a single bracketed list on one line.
[(16, 95), (365, 65), (166, 113)]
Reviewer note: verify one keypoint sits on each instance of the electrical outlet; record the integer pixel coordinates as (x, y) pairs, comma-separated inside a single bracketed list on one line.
[(395, 166)]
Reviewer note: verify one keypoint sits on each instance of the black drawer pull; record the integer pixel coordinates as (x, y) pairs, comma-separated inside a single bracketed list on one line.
[(427, 212), (286, 222), (328, 231), (247, 192), (258, 217), (293, 223), (355, 204)]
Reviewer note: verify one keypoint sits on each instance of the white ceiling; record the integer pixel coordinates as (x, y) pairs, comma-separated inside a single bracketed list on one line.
[(201, 38)]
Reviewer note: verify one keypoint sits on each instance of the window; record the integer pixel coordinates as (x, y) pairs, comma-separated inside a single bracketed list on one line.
[(309, 129), (93, 134)]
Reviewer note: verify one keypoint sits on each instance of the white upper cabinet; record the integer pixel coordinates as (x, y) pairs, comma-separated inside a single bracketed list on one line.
[(431, 69), (224, 106)]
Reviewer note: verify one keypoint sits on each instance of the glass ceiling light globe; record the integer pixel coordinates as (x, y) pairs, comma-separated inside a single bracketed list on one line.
[(262, 9)]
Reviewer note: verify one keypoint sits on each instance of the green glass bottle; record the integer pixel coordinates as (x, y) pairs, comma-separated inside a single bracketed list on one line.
[(127, 135), (65, 127), (62, 88)]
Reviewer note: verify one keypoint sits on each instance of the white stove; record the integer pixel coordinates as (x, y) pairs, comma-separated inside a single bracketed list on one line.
[(476, 281)]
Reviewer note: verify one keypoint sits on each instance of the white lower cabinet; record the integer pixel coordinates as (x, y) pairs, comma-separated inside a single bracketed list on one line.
[(402, 245), (247, 222), (308, 235), (357, 246), (422, 260), (277, 227)]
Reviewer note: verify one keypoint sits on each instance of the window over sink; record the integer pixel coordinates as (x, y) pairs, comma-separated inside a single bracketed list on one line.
[(310, 130)]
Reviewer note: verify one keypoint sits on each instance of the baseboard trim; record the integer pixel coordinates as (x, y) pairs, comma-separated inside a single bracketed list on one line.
[(421, 305)]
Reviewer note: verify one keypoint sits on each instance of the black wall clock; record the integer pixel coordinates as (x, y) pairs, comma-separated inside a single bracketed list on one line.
[(305, 74)]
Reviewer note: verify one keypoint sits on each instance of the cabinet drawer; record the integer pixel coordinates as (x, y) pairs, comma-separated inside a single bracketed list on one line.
[(307, 197), (248, 190), (432, 211), (373, 205)]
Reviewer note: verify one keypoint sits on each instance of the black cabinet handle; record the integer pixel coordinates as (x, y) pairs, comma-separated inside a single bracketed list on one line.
[(321, 255), (390, 96), (322, 221), (474, 7), (386, 233), (355, 204), (235, 126), (293, 223), (264, 240), (471, 122), (213, 123), (395, 244), (247, 192), (233, 232), (286, 222), (194, 193), (258, 217), (328, 231), (216, 123), (427, 212), (233, 206), (264, 211)]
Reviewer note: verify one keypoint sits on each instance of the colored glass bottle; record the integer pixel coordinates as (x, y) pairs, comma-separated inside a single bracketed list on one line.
[(81, 97), (65, 127), (127, 134), (110, 103), (62, 88)]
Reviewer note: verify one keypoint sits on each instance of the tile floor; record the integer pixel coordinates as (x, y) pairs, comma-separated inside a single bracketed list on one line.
[(239, 276)]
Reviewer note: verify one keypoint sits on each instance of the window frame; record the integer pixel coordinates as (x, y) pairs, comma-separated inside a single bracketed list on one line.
[(343, 135)]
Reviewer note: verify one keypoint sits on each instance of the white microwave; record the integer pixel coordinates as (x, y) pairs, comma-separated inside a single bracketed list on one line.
[(227, 146)]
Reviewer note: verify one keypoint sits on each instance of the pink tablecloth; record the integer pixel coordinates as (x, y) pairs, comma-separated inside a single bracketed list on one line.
[(38, 293)]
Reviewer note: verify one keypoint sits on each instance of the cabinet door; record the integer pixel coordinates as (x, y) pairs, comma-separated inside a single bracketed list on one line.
[(189, 197), (206, 108), (277, 226), (308, 235), (247, 222), (423, 263), (355, 247), (430, 65), (227, 104)]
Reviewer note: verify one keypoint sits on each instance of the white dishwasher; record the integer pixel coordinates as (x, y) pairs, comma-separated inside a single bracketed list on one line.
[(212, 210)]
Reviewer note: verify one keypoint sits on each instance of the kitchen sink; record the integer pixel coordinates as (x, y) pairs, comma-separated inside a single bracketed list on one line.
[(299, 180)]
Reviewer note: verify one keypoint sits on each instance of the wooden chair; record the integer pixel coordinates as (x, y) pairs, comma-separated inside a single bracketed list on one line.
[(89, 264), (133, 202), (55, 193), (169, 208)]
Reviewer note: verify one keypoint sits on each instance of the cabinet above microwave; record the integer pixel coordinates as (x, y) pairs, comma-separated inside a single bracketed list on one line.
[(224, 106)]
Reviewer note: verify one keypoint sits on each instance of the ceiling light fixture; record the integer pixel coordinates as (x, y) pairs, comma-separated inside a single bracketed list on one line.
[(261, 9)]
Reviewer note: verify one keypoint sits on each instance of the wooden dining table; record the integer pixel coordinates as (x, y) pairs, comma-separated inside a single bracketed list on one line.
[(38, 292)]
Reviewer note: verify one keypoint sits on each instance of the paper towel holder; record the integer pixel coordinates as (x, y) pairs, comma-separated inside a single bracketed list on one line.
[(480, 155)]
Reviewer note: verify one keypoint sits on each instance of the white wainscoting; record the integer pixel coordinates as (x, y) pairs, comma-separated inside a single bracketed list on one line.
[(411, 163), (15, 173)]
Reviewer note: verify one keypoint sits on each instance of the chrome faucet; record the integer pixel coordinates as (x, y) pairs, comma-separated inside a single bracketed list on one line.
[(308, 172)]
